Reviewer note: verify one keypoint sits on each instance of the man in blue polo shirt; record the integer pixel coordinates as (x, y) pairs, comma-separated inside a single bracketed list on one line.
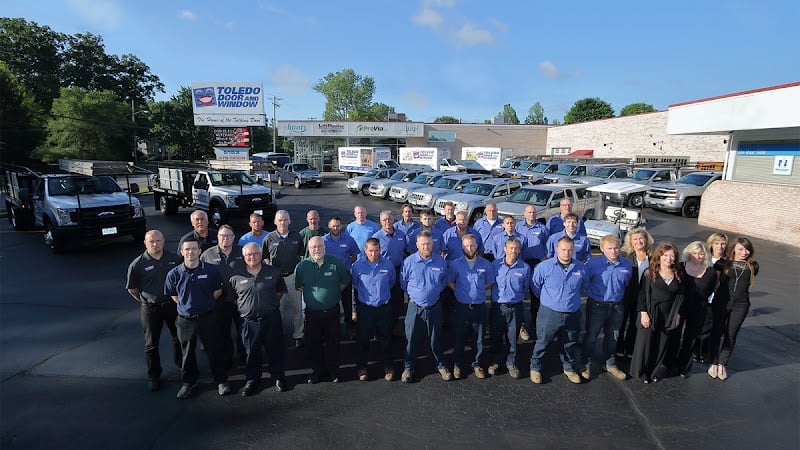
[(407, 224), (195, 286), (342, 246), (512, 282), (423, 279), (393, 247), (556, 223), (448, 220), (373, 278), (507, 232), (469, 277), (583, 248), (558, 282), (426, 220), (534, 250), (486, 226), (362, 228), (609, 276)]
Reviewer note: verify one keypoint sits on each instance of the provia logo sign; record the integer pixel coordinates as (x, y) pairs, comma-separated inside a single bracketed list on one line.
[(204, 96), (296, 128), (369, 128)]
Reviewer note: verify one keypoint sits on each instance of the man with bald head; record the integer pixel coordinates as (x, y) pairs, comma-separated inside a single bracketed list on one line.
[(146, 276)]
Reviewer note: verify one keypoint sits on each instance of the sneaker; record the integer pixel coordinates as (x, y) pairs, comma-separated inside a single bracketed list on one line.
[(722, 374), (362, 375), (524, 335), (224, 388), (407, 376), (586, 372), (479, 373), (249, 388), (186, 390), (153, 384), (712, 371), (457, 373), (573, 376), (616, 373), (445, 373), (494, 369), (389, 376), (536, 376), (513, 372)]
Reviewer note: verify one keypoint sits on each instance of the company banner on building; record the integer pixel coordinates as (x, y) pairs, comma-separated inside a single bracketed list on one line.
[(232, 153), (228, 104), (317, 128), (230, 137)]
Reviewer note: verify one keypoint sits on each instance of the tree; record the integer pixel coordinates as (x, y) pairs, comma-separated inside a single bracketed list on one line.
[(173, 126), (87, 125), (346, 94), (33, 55), (588, 109), (21, 123), (509, 114), (377, 112), (636, 108), (446, 119), (536, 115)]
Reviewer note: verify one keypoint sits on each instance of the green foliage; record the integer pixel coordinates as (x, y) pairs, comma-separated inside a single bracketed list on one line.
[(509, 114), (346, 94), (377, 112), (87, 125), (173, 126), (536, 115), (21, 123), (636, 108), (588, 109), (33, 55), (446, 119)]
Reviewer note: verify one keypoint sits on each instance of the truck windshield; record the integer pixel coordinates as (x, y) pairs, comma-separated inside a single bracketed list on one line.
[(300, 166), (391, 164), (509, 164), (481, 189), (450, 161), (541, 167), (82, 185), (603, 172), (421, 179), (525, 165), (372, 173), (398, 176), (642, 174), (565, 170), (695, 179), (446, 183), (530, 197), (231, 179)]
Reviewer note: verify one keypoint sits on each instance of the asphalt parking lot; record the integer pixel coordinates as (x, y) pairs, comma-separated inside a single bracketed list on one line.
[(72, 372)]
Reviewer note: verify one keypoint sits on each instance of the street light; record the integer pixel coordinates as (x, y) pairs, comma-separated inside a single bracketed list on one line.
[(133, 119)]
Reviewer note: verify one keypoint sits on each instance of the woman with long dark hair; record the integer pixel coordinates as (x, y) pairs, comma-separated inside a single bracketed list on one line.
[(731, 302), (700, 280), (637, 246), (660, 302)]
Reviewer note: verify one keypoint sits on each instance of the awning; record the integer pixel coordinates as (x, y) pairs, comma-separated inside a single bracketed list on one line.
[(582, 153)]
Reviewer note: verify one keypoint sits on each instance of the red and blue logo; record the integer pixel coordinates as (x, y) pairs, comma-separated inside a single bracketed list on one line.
[(204, 97)]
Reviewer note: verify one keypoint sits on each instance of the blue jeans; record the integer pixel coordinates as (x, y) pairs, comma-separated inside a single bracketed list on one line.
[(379, 320), (565, 326), (419, 320), (605, 316), (266, 333), (506, 320), (468, 317)]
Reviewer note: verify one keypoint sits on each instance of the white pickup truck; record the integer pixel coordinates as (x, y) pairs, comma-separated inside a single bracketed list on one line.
[(682, 195), (547, 200)]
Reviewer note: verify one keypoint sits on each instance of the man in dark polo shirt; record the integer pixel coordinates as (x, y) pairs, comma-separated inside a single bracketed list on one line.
[(195, 286), (321, 278), (259, 288), (146, 276), (284, 249), (205, 236)]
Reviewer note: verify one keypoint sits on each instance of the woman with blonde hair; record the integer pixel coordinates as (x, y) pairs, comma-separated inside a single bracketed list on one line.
[(717, 243), (660, 303), (700, 280), (731, 302), (637, 246)]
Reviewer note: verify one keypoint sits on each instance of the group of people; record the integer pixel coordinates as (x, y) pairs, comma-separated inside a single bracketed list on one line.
[(408, 278)]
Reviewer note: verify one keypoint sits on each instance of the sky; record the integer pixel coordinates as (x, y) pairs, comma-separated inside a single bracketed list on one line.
[(461, 58)]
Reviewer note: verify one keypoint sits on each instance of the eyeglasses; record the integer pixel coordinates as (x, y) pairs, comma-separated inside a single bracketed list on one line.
[(226, 236)]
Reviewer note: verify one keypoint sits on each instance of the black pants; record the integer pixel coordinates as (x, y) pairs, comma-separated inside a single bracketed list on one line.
[(727, 324), (530, 325), (693, 320), (627, 331), (347, 305), (227, 315), (322, 337), (266, 333), (207, 328), (153, 317)]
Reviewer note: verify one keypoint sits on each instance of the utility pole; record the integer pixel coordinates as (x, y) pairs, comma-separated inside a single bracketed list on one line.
[(275, 105)]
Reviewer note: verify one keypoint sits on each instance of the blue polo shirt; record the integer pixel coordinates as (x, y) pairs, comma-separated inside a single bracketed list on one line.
[(194, 288), (248, 238), (535, 240), (360, 232), (487, 230), (511, 282), (556, 224), (470, 282), (607, 280), (499, 243), (583, 248), (424, 279), (343, 247), (406, 228), (558, 288), (442, 224), (373, 281), (436, 236), (452, 243), (392, 247)]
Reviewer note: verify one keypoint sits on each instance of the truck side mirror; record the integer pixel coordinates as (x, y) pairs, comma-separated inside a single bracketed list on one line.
[(555, 204), (657, 179)]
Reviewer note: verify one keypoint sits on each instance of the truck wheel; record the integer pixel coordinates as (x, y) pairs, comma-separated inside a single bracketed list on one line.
[(691, 207), (297, 183), (476, 216), (365, 190), (636, 200), (217, 215), (52, 240), (280, 181)]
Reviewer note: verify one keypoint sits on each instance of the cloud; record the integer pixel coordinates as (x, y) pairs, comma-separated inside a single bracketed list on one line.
[(415, 99), (272, 9), (501, 26), (427, 17), (99, 12), (470, 34), (548, 69), (291, 80), (186, 14)]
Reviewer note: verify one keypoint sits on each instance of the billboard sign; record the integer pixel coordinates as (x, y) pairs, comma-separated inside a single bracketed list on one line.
[(228, 104), (316, 128), (230, 137)]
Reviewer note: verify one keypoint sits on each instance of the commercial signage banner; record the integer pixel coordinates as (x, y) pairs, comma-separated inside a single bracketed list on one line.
[(232, 153), (230, 137), (316, 128), (227, 104)]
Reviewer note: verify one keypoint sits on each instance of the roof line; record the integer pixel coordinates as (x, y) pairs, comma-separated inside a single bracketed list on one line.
[(735, 94)]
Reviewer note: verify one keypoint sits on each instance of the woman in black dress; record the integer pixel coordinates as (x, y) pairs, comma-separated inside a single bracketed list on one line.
[(660, 300), (731, 302), (638, 246), (700, 280), (717, 245)]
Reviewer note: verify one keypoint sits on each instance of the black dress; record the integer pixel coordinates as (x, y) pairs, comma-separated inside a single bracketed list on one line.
[(695, 306), (630, 318), (656, 347)]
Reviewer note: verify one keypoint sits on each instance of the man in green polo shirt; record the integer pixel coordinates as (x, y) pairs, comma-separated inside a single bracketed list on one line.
[(321, 279)]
